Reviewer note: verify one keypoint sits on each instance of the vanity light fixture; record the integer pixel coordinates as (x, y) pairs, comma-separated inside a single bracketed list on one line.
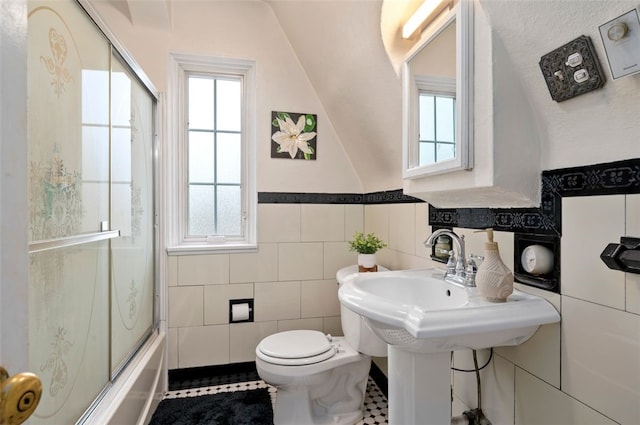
[(427, 11)]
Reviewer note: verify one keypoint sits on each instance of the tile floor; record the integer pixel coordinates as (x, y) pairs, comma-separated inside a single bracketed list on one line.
[(375, 412)]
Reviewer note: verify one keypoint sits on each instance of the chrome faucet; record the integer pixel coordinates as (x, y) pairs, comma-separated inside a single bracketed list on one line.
[(456, 268)]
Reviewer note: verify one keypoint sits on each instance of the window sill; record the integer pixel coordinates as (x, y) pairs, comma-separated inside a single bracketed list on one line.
[(203, 248)]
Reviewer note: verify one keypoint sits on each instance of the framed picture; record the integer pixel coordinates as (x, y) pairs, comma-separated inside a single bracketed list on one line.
[(293, 135)]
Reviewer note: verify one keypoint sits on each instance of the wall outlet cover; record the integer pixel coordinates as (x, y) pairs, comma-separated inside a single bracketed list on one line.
[(567, 77)]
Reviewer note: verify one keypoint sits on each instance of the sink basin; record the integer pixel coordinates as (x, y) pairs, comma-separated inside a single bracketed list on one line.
[(422, 317), (419, 311)]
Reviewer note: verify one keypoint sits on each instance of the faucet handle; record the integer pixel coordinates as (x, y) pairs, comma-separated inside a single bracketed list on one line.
[(451, 264), (472, 269)]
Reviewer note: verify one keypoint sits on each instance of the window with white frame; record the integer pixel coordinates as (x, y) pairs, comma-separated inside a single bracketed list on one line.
[(215, 195)]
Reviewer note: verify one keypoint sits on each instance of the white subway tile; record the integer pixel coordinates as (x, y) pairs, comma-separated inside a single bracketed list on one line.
[(245, 337), (376, 220), (537, 402), (353, 220), (216, 301), (172, 348), (278, 223), (322, 223), (497, 385), (332, 326), (261, 266), (589, 224), (337, 256), (314, 324), (185, 306), (601, 358), (319, 298), (203, 346), (276, 300), (300, 261), (172, 266), (402, 231), (212, 269), (633, 216)]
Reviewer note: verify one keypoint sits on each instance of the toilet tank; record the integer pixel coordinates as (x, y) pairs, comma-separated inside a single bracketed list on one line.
[(356, 331)]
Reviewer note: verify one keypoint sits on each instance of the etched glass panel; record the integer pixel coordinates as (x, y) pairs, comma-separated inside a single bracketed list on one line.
[(132, 271), (229, 211)]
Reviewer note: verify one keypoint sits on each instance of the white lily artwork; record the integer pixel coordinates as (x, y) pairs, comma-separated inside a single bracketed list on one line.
[(293, 135)]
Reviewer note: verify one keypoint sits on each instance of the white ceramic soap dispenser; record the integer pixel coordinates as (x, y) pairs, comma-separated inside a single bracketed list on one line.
[(494, 279)]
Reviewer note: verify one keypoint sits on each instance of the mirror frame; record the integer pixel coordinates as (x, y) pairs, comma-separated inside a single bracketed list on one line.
[(462, 15)]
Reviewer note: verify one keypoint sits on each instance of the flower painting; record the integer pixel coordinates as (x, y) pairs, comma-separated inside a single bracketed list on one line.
[(293, 135)]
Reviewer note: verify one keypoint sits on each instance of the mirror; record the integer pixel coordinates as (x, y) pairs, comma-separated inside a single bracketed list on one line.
[(437, 96)]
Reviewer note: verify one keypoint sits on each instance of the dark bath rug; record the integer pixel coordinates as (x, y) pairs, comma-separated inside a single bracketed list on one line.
[(251, 407)]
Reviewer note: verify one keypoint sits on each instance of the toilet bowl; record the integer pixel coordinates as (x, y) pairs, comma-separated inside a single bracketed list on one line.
[(320, 379)]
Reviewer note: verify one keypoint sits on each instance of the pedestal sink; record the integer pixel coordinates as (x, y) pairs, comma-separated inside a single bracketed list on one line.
[(423, 317)]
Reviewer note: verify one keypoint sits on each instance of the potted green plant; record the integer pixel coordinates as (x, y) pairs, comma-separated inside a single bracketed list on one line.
[(366, 246)]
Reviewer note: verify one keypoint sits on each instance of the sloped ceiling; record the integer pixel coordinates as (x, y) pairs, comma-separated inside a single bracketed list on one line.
[(339, 44)]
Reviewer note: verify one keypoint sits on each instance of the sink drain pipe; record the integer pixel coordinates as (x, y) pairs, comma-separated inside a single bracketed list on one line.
[(473, 416)]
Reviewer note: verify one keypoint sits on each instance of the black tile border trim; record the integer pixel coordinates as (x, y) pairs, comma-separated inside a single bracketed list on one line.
[(385, 197), (612, 178)]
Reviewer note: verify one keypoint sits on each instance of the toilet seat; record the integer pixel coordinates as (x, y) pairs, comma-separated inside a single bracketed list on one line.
[(296, 348)]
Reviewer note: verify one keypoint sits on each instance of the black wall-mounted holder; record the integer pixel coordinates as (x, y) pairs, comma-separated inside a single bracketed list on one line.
[(549, 281), (248, 301), (623, 256)]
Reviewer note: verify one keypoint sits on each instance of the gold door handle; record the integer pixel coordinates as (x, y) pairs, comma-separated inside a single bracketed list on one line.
[(19, 396)]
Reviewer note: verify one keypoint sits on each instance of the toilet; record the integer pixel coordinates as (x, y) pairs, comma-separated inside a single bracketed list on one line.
[(320, 379)]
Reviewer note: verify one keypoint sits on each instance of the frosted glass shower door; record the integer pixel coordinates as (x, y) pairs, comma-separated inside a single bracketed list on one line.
[(91, 211), (132, 271), (68, 111)]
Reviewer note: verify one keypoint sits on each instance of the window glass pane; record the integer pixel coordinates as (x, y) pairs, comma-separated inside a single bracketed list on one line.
[(427, 153), (446, 151), (445, 124), (228, 166), (426, 108), (201, 157), (228, 106), (229, 211), (202, 210), (201, 103)]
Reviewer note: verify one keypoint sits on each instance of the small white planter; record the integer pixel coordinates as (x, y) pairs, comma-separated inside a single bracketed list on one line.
[(367, 260)]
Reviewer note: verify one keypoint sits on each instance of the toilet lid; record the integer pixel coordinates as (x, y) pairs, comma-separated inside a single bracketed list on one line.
[(296, 347)]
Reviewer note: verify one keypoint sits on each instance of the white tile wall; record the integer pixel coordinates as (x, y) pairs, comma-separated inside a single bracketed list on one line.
[(245, 337), (633, 229), (539, 403), (601, 358), (320, 298), (216, 301), (496, 383), (300, 261), (277, 301), (402, 232), (588, 225), (203, 269), (278, 223), (315, 324), (185, 306), (203, 345), (586, 370), (261, 266), (322, 222)]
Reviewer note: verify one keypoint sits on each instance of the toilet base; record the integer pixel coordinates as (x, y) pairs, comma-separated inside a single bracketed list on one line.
[(333, 396)]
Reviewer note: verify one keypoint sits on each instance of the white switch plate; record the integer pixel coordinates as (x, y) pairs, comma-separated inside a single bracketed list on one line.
[(623, 55)]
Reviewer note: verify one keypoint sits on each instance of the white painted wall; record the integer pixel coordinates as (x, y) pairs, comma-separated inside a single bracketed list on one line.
[(245, 29)]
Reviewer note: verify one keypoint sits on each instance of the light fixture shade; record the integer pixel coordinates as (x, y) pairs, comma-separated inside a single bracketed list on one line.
[(428, 10)]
